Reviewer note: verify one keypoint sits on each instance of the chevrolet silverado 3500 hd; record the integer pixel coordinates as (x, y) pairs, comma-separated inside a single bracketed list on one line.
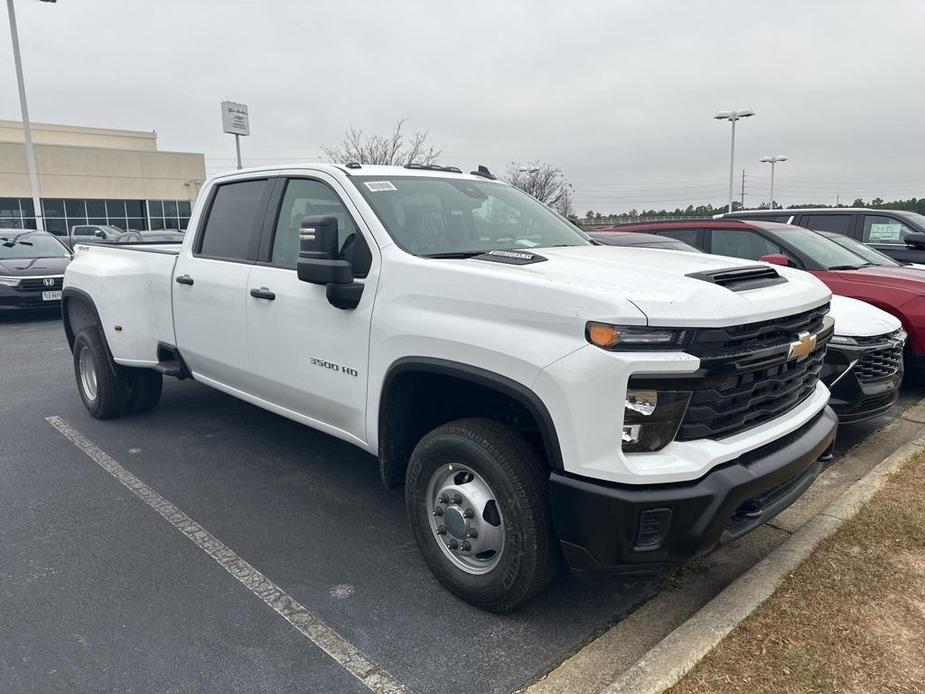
[(540, 397)]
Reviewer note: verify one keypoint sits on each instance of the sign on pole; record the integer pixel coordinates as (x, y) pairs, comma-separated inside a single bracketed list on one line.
[(236, 121)]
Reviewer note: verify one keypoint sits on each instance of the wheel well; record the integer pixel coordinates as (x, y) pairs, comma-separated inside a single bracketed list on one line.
[(78, 313), (418, 399)]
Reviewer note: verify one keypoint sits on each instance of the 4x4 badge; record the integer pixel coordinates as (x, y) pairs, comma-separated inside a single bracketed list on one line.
[(803, 347)]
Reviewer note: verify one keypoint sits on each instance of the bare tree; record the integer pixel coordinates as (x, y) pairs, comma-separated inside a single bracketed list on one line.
[(544, 182), (395, 148)]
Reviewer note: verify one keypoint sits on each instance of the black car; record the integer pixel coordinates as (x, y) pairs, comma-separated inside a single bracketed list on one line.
[(898, 234), (31, 269), (627, 238)]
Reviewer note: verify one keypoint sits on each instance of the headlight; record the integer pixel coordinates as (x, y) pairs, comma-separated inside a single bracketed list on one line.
[(651, 418), (842, 340), (9, 281), (609, 336)]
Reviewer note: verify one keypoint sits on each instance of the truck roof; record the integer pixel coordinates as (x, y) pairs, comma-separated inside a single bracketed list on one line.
[(358, 170)]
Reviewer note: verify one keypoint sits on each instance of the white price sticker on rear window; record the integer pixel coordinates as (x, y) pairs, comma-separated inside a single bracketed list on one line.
[(886, 232), (379, 186)]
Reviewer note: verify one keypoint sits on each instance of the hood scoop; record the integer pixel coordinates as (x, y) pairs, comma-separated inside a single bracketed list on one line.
[(740, 279), (511, 257)]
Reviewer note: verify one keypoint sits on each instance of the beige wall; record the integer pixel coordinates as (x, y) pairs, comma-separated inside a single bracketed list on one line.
[(91, 172), (48, 134)]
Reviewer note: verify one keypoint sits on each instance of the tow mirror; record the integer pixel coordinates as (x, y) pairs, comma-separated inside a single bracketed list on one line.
[(319, 264), (776, 259), (915, 239)]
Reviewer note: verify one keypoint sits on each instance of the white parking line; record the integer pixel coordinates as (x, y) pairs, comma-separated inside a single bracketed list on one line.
[(306, 622)]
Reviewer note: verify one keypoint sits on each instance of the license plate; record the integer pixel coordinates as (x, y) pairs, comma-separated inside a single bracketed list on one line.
[(51, 296)]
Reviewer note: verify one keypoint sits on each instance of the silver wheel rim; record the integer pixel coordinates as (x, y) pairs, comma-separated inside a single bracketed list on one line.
[(87, 367), (465, 518)]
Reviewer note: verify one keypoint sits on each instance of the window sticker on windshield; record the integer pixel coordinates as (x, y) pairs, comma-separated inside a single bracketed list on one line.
[(885, 232), (379, 186)]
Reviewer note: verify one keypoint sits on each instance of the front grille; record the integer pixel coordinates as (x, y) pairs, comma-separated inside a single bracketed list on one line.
[(741, 398), (37, 284), (746, 377), (777, 331), (879, 364)]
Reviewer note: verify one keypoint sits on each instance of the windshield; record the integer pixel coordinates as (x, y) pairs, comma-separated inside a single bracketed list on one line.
[(869, 254), (822, 251), (447, 217), (31, 245), (915, 218)]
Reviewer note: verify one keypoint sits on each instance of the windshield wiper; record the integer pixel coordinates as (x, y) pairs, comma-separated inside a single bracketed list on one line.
[(848, 267), (454, 254)]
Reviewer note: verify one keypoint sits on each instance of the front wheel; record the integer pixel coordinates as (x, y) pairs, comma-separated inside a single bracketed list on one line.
[(477, 499)]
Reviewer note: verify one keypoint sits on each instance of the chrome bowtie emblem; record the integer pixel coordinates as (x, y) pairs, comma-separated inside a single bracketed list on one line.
[(803, 347), (48, 282)]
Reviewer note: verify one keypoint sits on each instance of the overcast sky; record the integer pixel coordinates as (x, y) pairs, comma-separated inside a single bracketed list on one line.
[(618, 94)]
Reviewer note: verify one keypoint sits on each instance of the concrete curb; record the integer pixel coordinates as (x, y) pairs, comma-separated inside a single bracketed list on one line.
[(673, 657)]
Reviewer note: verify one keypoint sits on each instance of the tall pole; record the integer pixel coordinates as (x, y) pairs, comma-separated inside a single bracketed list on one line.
[(237, 148), (732, 159), (743, 189), (26, 127), (771, 201)]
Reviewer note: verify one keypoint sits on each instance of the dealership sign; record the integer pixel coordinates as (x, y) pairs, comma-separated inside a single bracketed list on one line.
[(235, 120)]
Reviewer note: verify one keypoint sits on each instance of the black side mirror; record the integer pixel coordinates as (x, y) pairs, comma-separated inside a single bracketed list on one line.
[(319, 264), (915, 239)]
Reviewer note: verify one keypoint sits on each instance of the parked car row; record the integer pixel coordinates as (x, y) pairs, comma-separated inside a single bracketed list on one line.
[(898, 234)]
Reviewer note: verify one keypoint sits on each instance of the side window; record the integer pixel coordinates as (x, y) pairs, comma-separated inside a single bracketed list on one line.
[(879, 229), (688, 236), (741, 244), (305, 197), (839, 223), (233, 225)]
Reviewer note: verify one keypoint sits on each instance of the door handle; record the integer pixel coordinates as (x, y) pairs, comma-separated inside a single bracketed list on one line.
[(185, 279), (263, 293)]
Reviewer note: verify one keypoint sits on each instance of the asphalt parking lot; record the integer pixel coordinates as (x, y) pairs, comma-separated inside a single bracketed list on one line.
[(99, 592)]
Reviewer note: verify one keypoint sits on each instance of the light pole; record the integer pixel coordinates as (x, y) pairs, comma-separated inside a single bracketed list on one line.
[(772, 160), (732, 117), (26, 127)]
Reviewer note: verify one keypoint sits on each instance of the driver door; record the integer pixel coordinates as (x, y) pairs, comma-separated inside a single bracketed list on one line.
[(307, 357)]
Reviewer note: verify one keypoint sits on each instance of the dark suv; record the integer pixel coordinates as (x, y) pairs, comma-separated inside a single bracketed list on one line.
[(901, 235)]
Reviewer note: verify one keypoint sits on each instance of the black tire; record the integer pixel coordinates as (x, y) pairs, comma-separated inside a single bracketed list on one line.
[(111, 386), (145, 390), (519, 479)]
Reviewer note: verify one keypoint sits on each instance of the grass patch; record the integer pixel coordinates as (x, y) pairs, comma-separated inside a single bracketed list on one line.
[(851, 618)]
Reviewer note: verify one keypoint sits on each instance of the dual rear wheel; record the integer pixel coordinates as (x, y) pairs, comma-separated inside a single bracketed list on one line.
[(107, 389)]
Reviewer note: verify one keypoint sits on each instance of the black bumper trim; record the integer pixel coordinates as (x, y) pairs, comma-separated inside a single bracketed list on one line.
[(596, 522)]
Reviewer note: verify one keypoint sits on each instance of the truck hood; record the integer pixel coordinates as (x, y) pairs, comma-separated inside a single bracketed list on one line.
[(33, 267), (659, 283)]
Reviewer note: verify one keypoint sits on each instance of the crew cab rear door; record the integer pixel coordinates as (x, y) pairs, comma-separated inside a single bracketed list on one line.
[(308, 356), (211, 281)]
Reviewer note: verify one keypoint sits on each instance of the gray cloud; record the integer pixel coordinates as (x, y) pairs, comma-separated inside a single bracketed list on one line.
[(618, 94)]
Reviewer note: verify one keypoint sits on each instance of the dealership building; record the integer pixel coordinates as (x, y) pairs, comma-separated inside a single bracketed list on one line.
[(96, 176)]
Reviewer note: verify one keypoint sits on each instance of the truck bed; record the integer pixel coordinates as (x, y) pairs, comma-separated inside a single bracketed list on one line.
[(131, 285)]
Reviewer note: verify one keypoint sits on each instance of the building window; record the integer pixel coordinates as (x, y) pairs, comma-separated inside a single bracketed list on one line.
[(17, 213), (169, 214)]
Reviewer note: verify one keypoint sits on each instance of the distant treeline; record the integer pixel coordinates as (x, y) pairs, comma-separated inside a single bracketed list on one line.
[(692, 211)]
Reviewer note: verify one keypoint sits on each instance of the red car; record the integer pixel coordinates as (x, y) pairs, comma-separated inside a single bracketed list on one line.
[(897, 290)]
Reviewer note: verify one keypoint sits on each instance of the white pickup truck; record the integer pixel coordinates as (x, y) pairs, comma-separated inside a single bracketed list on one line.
[(540, 396)]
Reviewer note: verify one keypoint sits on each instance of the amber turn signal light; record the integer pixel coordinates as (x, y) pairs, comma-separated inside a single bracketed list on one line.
[(603, 335)]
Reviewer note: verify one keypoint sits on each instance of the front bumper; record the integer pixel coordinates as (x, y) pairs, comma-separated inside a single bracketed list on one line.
[(29, 294), (640, 529), (856, 393)]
